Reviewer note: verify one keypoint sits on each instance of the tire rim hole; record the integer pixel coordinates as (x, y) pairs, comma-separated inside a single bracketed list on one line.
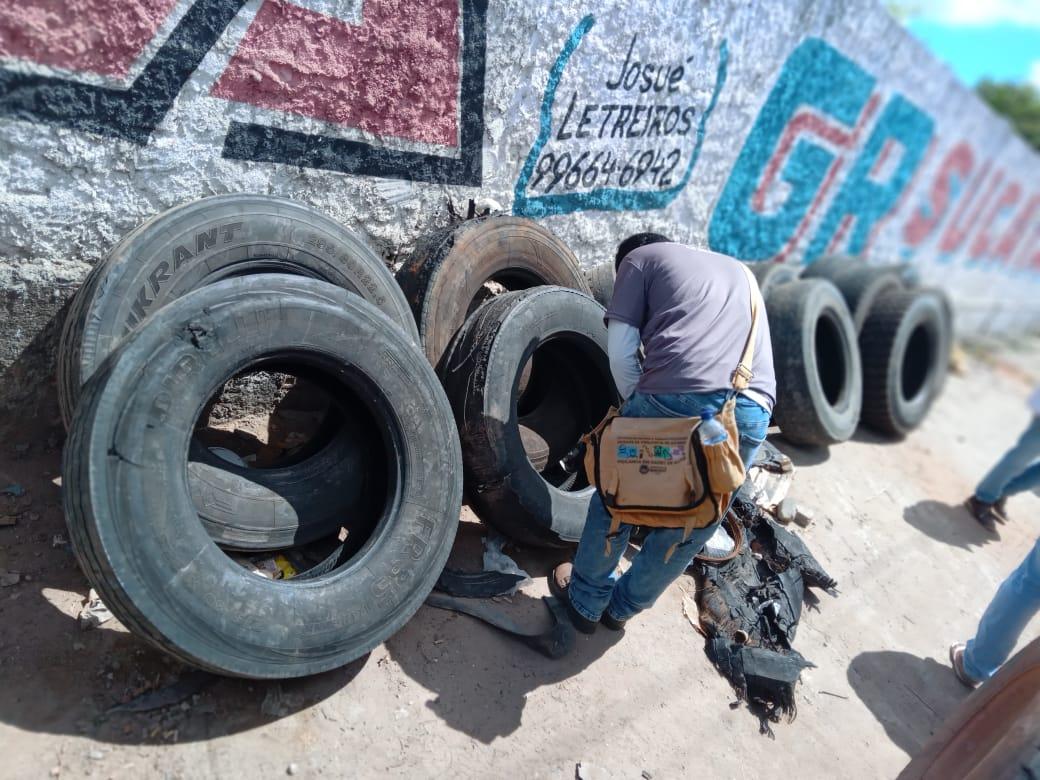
[(267, 419), (917, 362), (326, 395), (830, 359), (568, 391)]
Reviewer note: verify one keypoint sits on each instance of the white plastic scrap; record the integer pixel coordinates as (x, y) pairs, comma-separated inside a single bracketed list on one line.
[(496, 560), (94, 613), (720, 543), (770, 488)]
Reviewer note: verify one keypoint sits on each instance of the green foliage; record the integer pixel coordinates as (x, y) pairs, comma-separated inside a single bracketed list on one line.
[(1019, 103)]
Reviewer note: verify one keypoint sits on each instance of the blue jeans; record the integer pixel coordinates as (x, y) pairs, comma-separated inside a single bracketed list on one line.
[(594, 587), (1017, 600), (1017, 471)]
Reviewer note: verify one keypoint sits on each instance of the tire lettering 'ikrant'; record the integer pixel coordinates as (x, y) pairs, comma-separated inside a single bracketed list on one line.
[(180, 255)]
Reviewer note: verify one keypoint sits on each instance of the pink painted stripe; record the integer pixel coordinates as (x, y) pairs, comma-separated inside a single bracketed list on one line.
[(395, 75), (97, 36)]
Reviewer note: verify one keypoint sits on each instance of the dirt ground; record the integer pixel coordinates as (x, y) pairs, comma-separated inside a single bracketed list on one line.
[(449, 695)]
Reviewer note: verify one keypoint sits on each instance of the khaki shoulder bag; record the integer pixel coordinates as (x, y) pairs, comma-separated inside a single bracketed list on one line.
[(655, 472)]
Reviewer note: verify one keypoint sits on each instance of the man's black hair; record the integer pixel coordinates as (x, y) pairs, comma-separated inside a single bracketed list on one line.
[(635, 241)]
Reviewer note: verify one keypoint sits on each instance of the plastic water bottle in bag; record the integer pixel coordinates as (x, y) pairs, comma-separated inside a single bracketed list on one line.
[(711, 430)]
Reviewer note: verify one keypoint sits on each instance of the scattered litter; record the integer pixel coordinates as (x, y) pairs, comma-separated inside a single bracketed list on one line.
[(9, 578), (275, 567), (292, 769), (770, 459), (59, 540), (189, 684), (720, 543), (787, 511), (689, 609), (94, 613), (14, 489), (496, 560), (477, 585), (770, 477), (835, 695), (95, 755), (804, 516), (231, 457)]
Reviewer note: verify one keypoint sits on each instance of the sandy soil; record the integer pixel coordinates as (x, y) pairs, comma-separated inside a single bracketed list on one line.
[(448, 695)]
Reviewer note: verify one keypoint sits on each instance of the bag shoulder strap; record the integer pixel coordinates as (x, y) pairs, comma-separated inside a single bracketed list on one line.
[(743, 374)]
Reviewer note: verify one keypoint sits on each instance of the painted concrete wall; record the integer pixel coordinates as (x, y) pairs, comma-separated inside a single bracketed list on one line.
[(765, 130)]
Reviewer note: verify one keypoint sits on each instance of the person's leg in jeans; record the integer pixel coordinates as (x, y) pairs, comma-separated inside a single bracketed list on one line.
[(592, 578), (1017, 471), (650, 573), (1016, 602)]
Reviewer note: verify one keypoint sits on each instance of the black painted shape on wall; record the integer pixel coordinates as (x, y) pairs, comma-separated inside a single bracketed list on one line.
[(261, 143), (130, 114)]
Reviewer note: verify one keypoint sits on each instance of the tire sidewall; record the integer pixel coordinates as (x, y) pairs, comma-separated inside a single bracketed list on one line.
[(206, 240), (479, 250), (183, 588), (924, 311)]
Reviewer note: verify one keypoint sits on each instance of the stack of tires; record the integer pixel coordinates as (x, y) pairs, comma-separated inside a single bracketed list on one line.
[(365, 513), (853, 343), (488, 332), (505, 315)]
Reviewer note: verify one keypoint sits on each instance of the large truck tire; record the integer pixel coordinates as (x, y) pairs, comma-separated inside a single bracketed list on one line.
[(450, 273), (905, 357), (569, 389), (202, 242), (862, 285), (769, 275), (817, 362), (199, 243), (824, 267), (601, 282), (135, 528)]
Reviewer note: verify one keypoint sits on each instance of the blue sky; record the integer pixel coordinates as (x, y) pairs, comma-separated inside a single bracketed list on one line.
[(998, 39)]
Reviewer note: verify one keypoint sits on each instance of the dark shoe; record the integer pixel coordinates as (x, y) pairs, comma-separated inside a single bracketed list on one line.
[(612, 622), (957, 662), (559, 581), (983, 513), (1000, 510)]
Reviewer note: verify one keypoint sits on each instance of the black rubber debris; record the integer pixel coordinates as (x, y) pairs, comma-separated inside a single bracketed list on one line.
[(750, 607)]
